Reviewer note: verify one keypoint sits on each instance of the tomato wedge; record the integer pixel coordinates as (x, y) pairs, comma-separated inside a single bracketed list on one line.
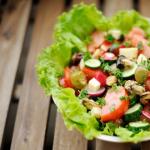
[(67, 79), (95, 73), (147, 84), (115, 107)]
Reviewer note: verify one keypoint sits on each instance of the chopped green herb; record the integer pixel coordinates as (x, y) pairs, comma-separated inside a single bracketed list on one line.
[(83, 94), (101, 101), (114, 87), (110, 38), (109, 129), (133, 99), (105, 65), (87, 56), (124, 98), (117, 73), (127, 43), (140, 45), (146, 64)]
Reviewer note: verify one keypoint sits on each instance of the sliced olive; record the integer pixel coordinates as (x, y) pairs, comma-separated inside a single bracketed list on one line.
[(141, 75), (121, 38), (120, 64), (76, 58)]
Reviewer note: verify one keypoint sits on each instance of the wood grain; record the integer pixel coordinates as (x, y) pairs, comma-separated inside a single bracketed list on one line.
[(86, 1), (67, 140), (144, 8), (32, 113), (12, 31), (112, 6)]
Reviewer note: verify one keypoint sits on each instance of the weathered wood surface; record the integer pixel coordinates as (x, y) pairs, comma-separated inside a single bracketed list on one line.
[(12, 31), (67, 140), (112, 6), (33, 107)]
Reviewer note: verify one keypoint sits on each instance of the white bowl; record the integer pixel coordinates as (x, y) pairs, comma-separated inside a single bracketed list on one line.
[(115, 139)]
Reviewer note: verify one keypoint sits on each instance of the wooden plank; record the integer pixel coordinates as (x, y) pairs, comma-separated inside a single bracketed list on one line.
[(32, 113), (86, 1), (144, 7), (12, 31), (112, 6), (67, 140), (144, 10)]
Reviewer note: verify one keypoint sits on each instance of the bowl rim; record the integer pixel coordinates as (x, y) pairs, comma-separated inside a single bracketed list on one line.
[(115, 139)]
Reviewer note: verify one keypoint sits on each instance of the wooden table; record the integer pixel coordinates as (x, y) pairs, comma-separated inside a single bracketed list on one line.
[(28, 119)]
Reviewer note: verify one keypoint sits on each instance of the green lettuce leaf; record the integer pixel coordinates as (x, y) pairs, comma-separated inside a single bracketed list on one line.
[(130, 136), (75, 114), (72, 33), (77, 25), (51, 63), (125, 20)]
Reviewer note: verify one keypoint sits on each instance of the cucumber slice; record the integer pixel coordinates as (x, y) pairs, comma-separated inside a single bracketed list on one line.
[(133, 113), (93, 63), (129, 72), (138, 126)]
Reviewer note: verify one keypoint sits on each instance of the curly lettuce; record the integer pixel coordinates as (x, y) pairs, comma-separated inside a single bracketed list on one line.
[(72, 33)]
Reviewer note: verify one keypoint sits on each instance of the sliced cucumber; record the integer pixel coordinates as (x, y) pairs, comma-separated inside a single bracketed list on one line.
[(93, 63), (133, 113), (138, 126), (129, 72)]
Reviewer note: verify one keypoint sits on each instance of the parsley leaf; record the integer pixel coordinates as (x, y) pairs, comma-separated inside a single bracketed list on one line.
[(146, 64), (83, 94), (101, 101), (110, 38), (127, 44), (87, 56), (124, 98), (109, 128)]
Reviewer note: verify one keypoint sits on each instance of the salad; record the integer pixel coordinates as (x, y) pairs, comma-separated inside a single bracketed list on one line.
[(98, 72)]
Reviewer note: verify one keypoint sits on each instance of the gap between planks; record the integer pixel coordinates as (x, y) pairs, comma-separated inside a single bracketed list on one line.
[(11, 36), (30, 125)]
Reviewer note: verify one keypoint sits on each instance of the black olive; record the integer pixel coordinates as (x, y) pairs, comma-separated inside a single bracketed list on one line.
[(120, 65), (76, 59), (121, 38)]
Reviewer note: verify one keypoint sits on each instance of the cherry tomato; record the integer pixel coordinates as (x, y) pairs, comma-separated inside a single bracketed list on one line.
[(67, 79), (147, 84), (105, 45), (114, 107), (95, 73)]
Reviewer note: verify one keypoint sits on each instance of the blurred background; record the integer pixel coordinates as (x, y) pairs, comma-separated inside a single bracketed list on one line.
[(28, 119)]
